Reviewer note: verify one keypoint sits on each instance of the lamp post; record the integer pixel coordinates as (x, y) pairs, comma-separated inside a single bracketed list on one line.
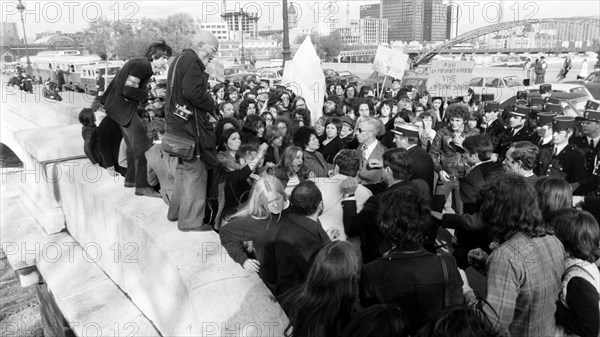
[(21, 8), (242, 17), (286, 34)]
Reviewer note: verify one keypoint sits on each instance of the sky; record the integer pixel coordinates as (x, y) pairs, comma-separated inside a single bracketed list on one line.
[(71, 16)]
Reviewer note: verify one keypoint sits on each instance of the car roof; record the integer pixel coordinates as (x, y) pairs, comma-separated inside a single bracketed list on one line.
[(562, 95), (566, 86)]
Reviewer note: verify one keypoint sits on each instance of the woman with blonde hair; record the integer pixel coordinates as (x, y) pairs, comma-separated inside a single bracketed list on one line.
[(257, 223)]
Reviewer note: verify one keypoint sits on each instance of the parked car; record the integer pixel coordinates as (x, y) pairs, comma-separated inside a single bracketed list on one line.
[(242, 77), (592, 83), (573, 103), (504, 89), (573, 89)]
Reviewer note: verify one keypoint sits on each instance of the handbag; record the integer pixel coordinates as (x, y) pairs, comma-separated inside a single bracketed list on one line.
[(174, 145), (178, 146)]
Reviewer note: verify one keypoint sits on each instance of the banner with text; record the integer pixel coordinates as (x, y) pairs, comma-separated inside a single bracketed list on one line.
[(449, 78), (391, 62)]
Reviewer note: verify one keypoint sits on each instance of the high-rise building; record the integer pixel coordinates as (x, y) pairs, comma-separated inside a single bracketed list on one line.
[(373, 31), (411, 20), (242, 21), (219, 29)]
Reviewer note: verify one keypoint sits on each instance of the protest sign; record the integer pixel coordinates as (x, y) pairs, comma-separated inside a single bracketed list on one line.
[(449, 78), (391, 62)]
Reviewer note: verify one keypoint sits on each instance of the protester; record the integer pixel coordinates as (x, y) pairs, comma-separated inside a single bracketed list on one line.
[(290, 170), (458, 322), (121, 99), (579, 302), (258, 220), (91, 139), (300, 236), (306, 138), (524, 271), (420, 282), (327, 300)]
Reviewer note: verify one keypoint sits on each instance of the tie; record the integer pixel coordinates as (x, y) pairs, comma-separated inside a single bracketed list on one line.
[(363, 150), (592, 144), (555, 152)]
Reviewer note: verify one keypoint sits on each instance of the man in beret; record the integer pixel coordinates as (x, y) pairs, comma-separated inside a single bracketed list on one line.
[(562, 159)]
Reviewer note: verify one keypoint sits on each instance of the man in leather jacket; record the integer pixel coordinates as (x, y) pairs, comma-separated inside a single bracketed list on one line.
[(121, 100)]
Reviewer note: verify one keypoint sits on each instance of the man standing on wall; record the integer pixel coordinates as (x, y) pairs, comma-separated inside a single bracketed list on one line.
[(121, 100), (189, 80)]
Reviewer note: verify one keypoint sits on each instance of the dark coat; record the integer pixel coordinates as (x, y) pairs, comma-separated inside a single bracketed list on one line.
[(495, 131), (91, 144), (332, 148), (127, 90), (589, 154), (364, 224), (296, 244), (507, 138), (315, 163), (414, 281), (473, 183), (422, 166), (568, 164), (190, 85)]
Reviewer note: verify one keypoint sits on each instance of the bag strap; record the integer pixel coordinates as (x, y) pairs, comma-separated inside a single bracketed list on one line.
[(445, 271), (173, 80)]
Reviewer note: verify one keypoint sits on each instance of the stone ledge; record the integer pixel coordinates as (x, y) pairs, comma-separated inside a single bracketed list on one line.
[(184, 282), (88, 299)]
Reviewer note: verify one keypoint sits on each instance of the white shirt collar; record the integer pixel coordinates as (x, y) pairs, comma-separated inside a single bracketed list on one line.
[(559, 148), (595, 140), (370, 149)]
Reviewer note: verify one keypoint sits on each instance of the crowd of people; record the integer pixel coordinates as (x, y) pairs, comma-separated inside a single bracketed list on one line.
[(340, 216)]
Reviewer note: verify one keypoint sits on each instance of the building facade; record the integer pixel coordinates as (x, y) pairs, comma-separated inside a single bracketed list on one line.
[(373, 31), (242, 21), (414, 20), (219, 29)]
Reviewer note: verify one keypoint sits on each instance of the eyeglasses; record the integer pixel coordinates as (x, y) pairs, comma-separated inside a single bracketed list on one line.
[(360, 130), (214, 50)]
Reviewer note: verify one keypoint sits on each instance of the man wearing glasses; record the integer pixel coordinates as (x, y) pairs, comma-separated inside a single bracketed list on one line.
[(370, 151), (190, 90)]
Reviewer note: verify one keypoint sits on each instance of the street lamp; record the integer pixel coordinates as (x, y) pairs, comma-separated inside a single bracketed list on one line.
[(286, 34), (21, 8)]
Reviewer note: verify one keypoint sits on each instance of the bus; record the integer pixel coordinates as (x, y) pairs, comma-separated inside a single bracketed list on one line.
[(87, 81), (44, 66)]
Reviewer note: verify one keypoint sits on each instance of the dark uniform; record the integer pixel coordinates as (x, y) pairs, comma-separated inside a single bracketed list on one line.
[(568, 163), (507, 137), (496, 129), (591, 153)]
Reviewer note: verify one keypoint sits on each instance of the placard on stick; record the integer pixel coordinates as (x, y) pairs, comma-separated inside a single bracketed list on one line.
[(449, 78), (216, 69), (391, 62)]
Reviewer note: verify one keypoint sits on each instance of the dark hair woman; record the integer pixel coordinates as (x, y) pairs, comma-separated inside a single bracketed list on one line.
[(524, 271), (247, 107), (325, 302), (290, 170), (332, 144), (578, 308), (253, 130), (306, 138)]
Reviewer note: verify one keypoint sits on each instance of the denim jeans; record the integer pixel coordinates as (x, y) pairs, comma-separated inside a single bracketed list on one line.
[(452, 186)]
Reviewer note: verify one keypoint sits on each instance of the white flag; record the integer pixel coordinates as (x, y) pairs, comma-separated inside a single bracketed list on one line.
[(303, 75)]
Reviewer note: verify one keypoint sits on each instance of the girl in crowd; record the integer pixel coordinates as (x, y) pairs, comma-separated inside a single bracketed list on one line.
[(306, 138), (257, 221), (290, 170), (302, 115), (578, 307), (332, 144), (469, 100), (474, 120), (364, 108), (229, 144), (350, 91), (555, 195), (274, 138), (320, 128), (418, 109), (268, 118), (219, 92), (91, 139), (283, 125), (253, 130), (347, 133), (325, 303), (248, 106), (384, 111), (427, 132)]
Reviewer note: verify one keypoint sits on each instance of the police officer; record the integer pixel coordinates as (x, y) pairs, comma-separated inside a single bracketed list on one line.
[(588, 142), (543, 136), (562, 159), (492, 125), (517, 130)]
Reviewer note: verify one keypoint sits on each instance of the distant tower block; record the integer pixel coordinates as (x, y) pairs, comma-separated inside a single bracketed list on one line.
[(292, 16)]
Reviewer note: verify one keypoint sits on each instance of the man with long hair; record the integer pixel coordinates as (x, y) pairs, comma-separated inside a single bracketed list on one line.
[(123, 95)]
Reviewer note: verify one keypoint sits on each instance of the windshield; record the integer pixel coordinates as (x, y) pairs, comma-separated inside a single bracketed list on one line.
[(512, 81), (579, 104)]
